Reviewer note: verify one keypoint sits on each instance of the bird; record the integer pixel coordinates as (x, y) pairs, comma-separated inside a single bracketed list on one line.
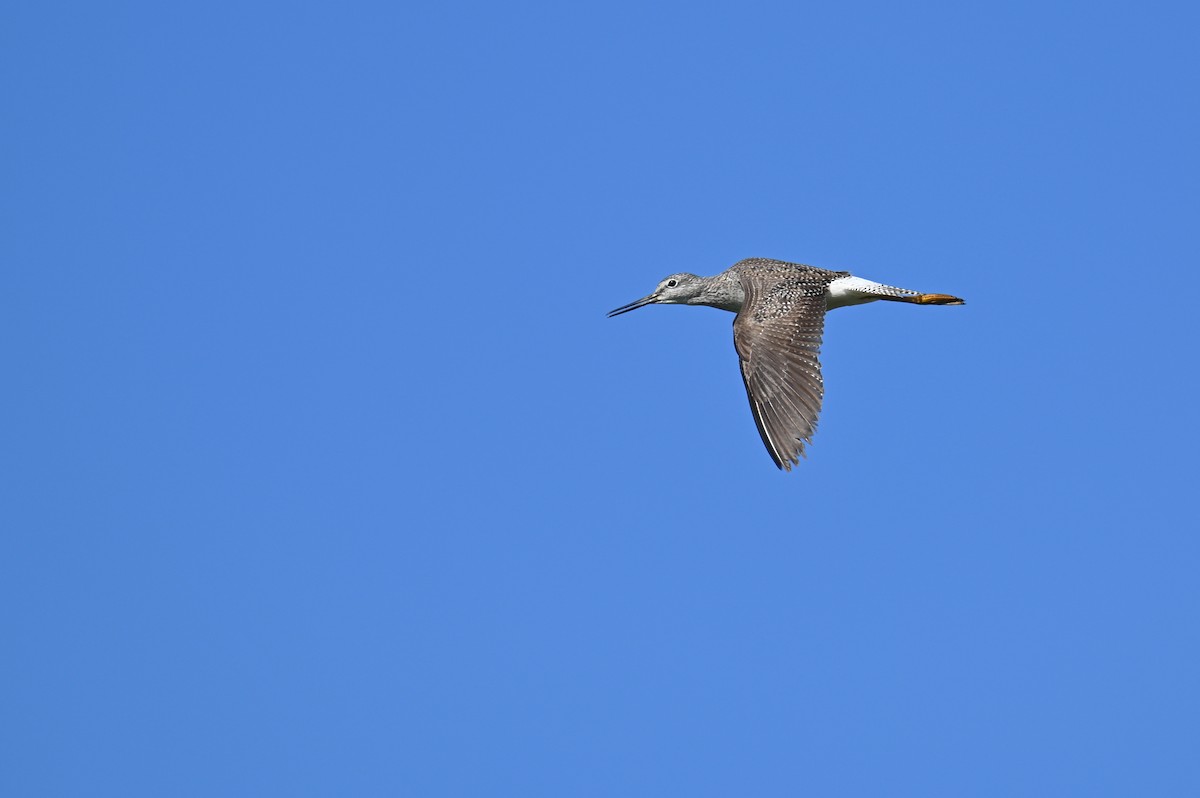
[(777, 332)]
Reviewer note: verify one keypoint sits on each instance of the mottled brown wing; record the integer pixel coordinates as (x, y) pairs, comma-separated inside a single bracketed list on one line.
[(778, 339)]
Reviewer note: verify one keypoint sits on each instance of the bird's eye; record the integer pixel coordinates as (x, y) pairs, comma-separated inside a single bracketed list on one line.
[(672, 283)]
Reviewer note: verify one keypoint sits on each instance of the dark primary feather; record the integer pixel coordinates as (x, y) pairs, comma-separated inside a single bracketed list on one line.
[(778, 339)]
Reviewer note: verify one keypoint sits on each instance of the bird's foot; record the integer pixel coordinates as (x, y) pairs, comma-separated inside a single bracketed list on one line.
[(938, 299)]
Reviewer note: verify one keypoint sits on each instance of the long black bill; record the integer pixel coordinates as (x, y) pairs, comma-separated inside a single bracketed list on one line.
[(646, 300)]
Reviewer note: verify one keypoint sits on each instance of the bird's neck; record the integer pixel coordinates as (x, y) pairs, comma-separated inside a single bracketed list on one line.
[(724, 291)]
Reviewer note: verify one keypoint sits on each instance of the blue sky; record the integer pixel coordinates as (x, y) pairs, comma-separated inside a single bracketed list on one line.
[(325, 474)]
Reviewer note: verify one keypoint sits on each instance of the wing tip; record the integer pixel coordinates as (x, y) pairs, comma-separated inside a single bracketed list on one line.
[(785, 462)]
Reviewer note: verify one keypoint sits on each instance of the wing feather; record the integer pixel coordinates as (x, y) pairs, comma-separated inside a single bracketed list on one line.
[(777, 335)]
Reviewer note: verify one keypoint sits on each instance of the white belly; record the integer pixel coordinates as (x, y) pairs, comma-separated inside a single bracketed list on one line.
[(855, 291), (851, 291)]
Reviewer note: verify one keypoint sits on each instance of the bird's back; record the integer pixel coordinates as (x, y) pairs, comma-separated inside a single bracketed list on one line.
[(775, 284), (766, 268)]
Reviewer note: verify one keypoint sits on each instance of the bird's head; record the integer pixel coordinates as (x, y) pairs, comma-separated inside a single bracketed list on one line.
[(677, 289)]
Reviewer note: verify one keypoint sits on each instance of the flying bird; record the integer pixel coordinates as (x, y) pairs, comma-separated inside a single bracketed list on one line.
[(780, 309)]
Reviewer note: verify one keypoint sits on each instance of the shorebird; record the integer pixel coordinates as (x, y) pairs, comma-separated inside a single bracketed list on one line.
[(780, 309)]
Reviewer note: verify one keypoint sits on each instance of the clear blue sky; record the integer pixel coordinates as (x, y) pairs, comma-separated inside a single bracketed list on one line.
[(325, 474)]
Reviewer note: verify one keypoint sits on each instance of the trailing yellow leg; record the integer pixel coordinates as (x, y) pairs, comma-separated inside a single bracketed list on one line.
[(937, 299)]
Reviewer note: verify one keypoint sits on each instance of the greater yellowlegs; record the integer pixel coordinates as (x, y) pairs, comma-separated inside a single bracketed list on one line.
[(780, 309)]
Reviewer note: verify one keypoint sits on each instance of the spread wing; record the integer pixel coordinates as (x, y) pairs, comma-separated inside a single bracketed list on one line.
[(778, 338)]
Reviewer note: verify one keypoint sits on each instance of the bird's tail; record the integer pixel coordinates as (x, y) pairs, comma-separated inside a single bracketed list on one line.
[(850, 290)]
